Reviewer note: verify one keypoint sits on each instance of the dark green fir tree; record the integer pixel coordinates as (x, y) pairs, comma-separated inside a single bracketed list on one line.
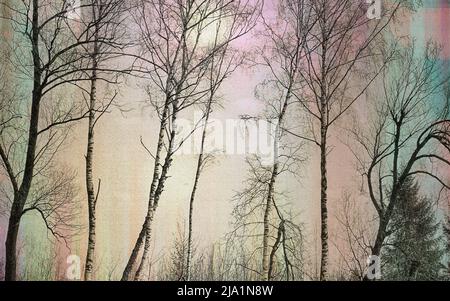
[(416, 247)]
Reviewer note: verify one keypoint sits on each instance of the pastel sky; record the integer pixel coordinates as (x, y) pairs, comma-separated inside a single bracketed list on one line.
[(125, 168)]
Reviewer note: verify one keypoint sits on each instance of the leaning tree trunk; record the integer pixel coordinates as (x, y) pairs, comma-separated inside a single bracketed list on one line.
[(140, 273), (20, 197), (274, 250), (154, 205), (386, 215), (92, 201), (158, 187), (132, 261)]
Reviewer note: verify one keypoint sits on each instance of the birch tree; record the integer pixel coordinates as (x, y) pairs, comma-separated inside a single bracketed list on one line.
[(261, 203), (409, 137), (353, 245), (287, 36), (108, 42), (48, 32), (221, 66), (337, 47), (176, 63), (416, 249)]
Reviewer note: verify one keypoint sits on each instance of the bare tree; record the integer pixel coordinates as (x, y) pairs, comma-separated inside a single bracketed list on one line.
[(221, 66), (410, 135), (51, 33), (172, 267), (176, 63), (337, 46), (108, 17), (353, 244), (285, 259), (282, 55), (261, 203)]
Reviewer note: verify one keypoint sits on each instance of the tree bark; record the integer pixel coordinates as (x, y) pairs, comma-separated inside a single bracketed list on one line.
[(381, 235), (274, 250), (324, 123), (323, 202), (267, 211), (11, 242)]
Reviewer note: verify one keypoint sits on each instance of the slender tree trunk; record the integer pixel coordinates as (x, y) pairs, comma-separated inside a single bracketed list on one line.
[(21, 196), (194, 190), (92, 202), (324, 111), (190, 222), (271, 189), (323, 203), (266, 233), (274, 250)]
